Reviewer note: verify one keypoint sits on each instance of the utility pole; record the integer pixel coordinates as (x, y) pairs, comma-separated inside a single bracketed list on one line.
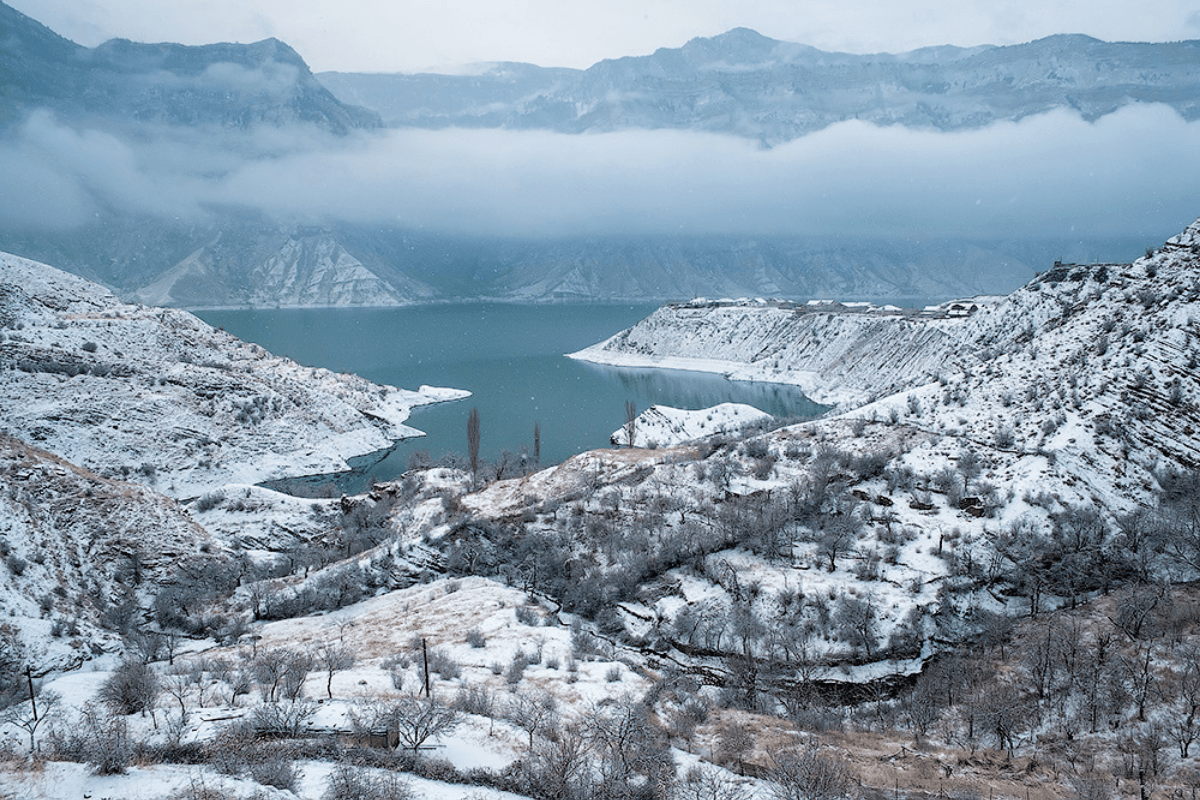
[(425, 655)]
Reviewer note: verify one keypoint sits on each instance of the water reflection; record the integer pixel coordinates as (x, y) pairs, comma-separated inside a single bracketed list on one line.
[(687, 389)]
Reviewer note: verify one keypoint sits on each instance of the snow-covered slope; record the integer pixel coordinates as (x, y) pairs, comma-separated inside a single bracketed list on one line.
[(76, 546), (997, 475), (1092, 364), (663, 426), (160, 397), (835, 356)]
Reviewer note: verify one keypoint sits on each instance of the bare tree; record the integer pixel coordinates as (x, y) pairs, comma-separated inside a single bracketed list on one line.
[(296, 669), (534, 713), (277, 719), (473, 440), (537, 443), (30, 715), (558, 766), (131, 688), (631, 751), (178, 685), (734, 740), (281, 673), (858, 621), (1184, 710), (412, 720), (333, 657), (630, 421), (106, 738)]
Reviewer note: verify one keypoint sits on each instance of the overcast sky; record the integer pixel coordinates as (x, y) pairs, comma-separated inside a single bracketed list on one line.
[(414, 35)]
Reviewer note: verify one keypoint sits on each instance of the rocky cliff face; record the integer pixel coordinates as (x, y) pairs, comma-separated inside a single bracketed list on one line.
[(296, 269), (230, 263), (78, 547)]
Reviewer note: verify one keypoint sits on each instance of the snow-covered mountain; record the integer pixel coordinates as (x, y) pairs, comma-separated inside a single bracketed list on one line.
[(160, 397), (302, 268), (129, 83), (224, 107), (746, 84)]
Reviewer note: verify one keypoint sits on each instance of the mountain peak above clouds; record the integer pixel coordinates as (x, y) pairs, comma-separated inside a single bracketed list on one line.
[(747, 84), (122, 82)]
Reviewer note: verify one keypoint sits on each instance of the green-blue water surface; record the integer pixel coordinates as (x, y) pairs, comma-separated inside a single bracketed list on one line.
[(511, 357)]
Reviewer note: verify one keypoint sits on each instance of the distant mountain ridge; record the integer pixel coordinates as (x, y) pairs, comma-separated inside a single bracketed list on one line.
[(124, 82), (247, 263), (746, 84)]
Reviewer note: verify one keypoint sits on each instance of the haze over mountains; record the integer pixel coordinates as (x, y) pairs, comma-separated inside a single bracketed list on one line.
[(228, 175), (748, 85)]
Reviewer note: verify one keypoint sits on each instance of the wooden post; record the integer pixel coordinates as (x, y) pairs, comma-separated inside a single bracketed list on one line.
[(425, 654)]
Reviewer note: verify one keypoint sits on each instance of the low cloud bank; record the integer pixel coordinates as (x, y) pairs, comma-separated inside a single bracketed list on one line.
[(1131, 173)]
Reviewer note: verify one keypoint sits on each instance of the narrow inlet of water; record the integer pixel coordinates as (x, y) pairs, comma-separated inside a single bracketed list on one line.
[(511, 357)]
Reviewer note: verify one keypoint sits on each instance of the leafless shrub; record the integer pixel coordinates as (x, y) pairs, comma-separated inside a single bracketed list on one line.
[(131, 688), (473, 699), (348, 782), (809, 773), (709, 783)]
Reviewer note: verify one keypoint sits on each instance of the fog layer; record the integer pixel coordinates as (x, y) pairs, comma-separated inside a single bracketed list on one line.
[(1130, 173)]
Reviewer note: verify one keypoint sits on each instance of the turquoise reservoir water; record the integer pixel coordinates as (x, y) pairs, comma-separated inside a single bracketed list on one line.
[(511, 357)]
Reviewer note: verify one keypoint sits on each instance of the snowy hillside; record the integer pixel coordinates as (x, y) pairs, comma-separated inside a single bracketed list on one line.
[(663, 426), (1093, 364), (159, 397), (987, 561), (76, 547), (836, 355)]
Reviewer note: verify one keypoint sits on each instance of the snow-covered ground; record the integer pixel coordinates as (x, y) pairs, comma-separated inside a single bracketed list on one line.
[(159, 397), (663, 426)]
